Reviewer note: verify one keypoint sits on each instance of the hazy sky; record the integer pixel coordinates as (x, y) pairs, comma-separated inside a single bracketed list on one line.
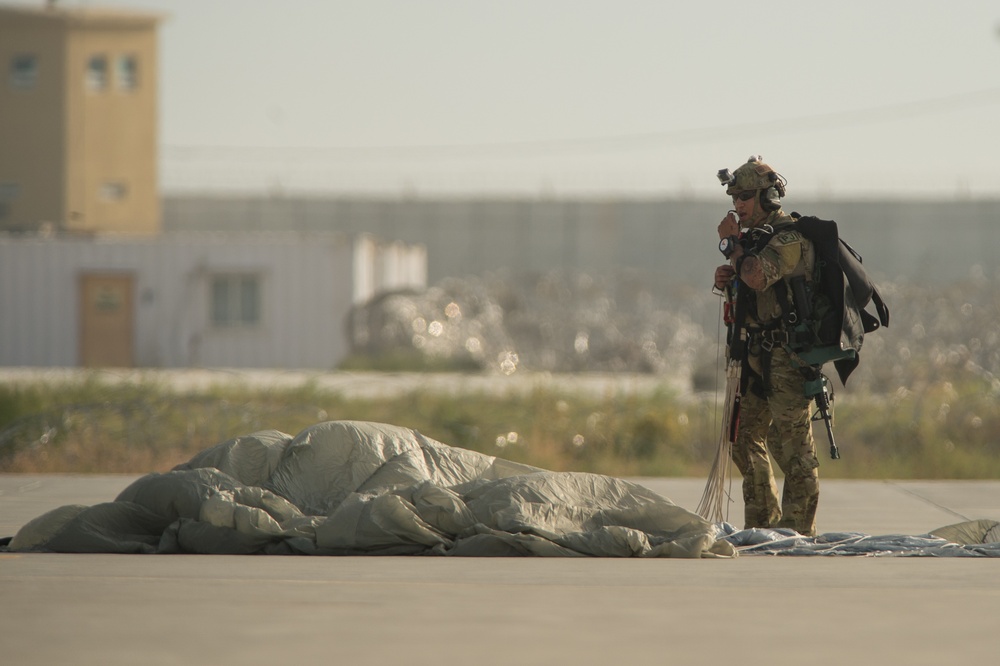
[(566, 97)]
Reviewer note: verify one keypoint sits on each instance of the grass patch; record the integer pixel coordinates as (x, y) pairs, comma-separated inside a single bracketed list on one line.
[(937, 430)]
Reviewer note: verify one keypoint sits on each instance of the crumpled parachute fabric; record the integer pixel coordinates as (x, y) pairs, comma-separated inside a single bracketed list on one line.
[(359, 488), (974, 538), (354, 488)]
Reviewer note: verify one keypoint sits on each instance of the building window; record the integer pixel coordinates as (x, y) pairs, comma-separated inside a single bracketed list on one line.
[(97, 73), (128, 72), (23, 71), (235, 301), (9, 190), (113, 190)]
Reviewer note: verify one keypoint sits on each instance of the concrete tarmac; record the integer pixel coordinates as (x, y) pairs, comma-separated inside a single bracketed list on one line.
[(188, 609)]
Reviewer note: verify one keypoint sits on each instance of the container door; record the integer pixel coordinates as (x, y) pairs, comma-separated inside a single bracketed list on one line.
[(107, 320)]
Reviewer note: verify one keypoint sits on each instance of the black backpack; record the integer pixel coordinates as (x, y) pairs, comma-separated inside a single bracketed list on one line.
[(837, 299)]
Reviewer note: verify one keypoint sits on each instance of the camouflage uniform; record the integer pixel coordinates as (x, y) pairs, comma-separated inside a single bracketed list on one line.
[(775, 420), (779, 424)]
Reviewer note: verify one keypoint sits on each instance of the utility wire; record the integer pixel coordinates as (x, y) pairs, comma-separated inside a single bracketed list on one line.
[(617, 143)]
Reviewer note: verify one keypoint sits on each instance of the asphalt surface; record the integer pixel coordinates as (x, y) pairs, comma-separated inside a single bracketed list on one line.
[(187, 609)]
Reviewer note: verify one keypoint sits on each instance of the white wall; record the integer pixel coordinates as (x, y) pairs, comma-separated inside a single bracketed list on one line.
[(308, 287), (381, 267)]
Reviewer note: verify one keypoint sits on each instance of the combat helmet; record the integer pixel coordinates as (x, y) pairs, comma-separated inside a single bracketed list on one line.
[(755, 175)]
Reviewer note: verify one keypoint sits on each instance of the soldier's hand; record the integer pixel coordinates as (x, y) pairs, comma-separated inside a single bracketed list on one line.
[(723, 276), (730, 226)]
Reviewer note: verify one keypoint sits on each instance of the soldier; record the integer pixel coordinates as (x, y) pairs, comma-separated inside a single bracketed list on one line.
[(764, 249)]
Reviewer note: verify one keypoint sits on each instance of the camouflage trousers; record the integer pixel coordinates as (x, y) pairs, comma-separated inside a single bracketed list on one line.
[(778, 426)]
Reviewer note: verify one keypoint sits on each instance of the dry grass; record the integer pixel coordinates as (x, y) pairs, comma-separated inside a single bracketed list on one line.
[(938, 430)]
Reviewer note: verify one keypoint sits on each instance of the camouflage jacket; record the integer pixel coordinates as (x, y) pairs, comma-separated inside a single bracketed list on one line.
[(786, 254)]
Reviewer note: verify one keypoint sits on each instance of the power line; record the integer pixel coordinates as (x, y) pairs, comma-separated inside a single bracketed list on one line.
[(623, 142)]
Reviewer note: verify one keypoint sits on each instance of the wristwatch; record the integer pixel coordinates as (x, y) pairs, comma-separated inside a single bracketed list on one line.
[(727, 246)]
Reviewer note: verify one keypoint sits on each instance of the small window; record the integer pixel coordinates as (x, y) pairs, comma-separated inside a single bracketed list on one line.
[(97, 73), (235, 301), (23, 71), (114, 190), (9, 190), (128, 72)]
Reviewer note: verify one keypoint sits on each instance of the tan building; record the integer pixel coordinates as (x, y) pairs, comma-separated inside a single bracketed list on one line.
[(78, 120)]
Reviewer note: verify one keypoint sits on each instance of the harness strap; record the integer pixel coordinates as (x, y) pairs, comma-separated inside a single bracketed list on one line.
[(782, 337), (761, 341)]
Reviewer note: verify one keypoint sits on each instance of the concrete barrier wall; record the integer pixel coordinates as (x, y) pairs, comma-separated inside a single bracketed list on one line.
[(666, 241)]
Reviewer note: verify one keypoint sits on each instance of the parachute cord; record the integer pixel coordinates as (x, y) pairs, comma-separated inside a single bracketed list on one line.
[(718, 358), (716, 493)]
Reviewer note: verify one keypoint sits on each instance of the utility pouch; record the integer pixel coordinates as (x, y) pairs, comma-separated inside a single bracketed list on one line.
[(802, 297)]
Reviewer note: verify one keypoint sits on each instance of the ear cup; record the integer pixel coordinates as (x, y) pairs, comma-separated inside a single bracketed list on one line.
[(770, 200)]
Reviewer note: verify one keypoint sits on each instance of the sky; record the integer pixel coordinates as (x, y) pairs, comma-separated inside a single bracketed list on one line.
[(561, 98)]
